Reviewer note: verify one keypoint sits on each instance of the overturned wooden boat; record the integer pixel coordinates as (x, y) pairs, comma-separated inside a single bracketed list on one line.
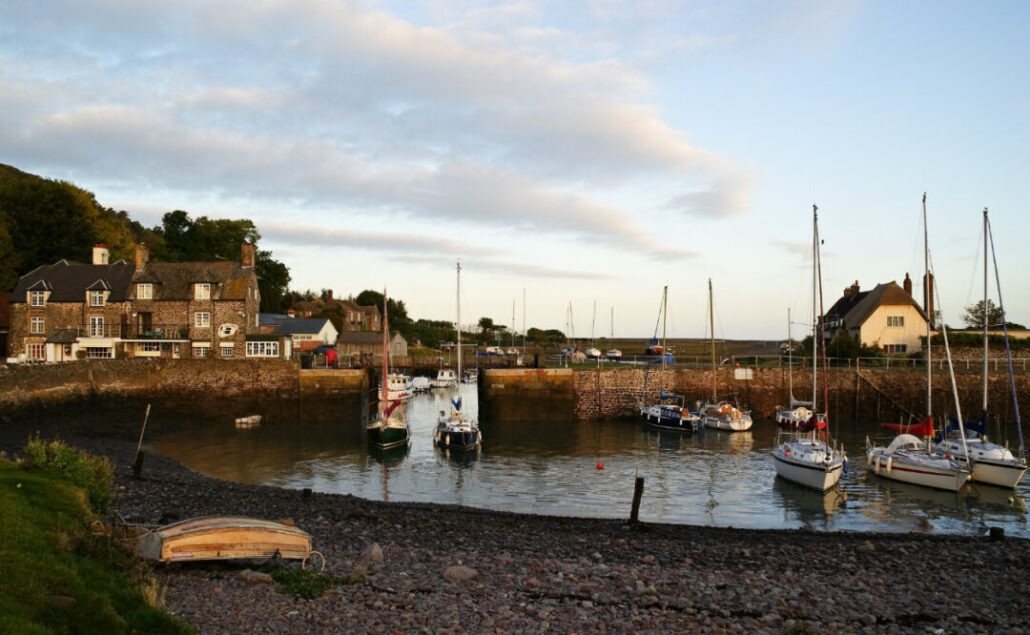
[(250, 421), (229, 537)]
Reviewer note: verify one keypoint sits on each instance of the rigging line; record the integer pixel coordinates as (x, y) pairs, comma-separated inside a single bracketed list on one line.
[(973, 278), (1008, 350)]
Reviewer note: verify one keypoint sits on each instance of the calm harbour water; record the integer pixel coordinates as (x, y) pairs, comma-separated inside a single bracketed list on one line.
[(711, 478)]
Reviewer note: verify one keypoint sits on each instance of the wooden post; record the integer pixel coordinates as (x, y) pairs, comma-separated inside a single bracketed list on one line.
[(638, 491), (137, 464)]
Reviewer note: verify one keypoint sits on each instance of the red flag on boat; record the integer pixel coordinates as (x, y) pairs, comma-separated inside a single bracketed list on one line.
[(922, 429)]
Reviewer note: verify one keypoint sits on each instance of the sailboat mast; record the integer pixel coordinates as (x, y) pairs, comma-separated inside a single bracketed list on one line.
[(525, 331), (711, 325), (1008, 350), (815, 308), (790, 362), (513, 322), (929, 317), (459, 321), (593, 322), (665, 318), (386, 357), (984, 408)]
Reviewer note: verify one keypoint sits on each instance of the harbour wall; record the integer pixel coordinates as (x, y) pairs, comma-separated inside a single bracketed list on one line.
[(184, 389), (866, 395)]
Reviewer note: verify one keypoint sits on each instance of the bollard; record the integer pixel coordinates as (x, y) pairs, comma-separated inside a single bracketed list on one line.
[(307, 493), (137, 465), (638, 491), (997, 533)]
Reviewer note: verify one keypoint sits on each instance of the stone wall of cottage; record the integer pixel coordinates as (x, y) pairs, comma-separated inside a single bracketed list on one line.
[(58, 315)]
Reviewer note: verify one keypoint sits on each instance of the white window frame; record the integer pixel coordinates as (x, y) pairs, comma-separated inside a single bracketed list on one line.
[(37, 298), (96, 298), (202, 351), (222, 348), (37, 325), (99, 352), (96, 326), (262, 349), (202, 319), (202, 291), (36, 352), (144, 291)]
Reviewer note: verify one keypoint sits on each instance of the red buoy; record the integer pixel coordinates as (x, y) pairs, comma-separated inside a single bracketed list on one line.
[(600, 465)]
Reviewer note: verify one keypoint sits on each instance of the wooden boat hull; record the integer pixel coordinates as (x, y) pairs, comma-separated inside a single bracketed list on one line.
[(225, 538), (385, 437)]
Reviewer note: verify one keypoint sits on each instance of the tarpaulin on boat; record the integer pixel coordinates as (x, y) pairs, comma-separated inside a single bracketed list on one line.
[(668, 395), (974, 428), (922, 429)]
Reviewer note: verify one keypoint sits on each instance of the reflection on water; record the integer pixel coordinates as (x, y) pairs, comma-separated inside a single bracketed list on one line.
[(711, 478)]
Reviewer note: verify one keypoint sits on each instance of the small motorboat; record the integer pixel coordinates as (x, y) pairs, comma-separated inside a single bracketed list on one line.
[(248, 422)]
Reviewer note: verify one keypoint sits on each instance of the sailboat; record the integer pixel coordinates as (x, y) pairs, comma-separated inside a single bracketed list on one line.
[(389, 429), (613, 353), (908, 458), (722, 415), (456, 431), (513, 350), (798, 412), (662, 415), (806, 457), (992, 463), (592, 352)]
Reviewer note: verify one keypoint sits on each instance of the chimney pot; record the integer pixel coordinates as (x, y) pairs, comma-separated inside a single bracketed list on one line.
[(142, 256), (101, 256), (907, 285), (247, 255)]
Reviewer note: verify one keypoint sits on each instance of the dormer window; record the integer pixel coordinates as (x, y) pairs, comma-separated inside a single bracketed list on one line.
[(36, 298), (202, 291), (144, 291), (96, 298)]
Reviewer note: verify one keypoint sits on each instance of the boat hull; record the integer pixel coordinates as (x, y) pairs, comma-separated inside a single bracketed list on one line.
[(385, 437), (457, 439), (664, 418), (899, 467), (818, 476), (731, 425), (999, 474)]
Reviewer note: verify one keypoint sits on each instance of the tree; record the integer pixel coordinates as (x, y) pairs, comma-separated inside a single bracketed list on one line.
[(486, 324), (974, 316), (273, 280), (398, 317)]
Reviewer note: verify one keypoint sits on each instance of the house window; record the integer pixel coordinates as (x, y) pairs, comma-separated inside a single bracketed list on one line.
[(96, 326), (895, 348), (37, 352), (96, 298), (36, 324), (895, 320), (36, 298), (201, 350), (201, 319), (226, 351), (202, 291), (262, 349), (98, 352), (145, 291), (150, 347)]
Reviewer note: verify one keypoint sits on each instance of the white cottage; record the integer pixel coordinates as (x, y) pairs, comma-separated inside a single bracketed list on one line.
[(886, 317)]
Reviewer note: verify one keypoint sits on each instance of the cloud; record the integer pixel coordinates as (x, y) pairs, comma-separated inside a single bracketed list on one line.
[(799, 249), (394, 242), (517, 269)]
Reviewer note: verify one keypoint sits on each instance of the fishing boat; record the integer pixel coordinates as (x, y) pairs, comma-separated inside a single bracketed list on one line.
[(421, 384), (228, 538), (390, 428), (721, 415), (669, 412), (908, 458), (612, 353), (799, 410), (398, 387), (806, 457), (993, 464), (456, 430)]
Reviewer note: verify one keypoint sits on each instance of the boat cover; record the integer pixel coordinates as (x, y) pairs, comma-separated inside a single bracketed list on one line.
[(923, 429)]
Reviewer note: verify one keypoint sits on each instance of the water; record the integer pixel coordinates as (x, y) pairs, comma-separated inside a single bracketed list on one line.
[(712, 478)]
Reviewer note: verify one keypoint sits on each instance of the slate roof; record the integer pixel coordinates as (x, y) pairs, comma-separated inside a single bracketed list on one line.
[(303, 326), (69, 281), (266, 319), (175, 280)]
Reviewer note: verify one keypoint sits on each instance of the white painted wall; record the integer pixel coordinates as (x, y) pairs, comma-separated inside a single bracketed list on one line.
[(875, 332)]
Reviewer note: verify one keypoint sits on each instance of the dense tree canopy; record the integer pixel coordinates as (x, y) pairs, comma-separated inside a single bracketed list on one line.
[(974, 316)]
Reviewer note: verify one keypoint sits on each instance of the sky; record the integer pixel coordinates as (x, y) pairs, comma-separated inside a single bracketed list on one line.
[(575, 154)]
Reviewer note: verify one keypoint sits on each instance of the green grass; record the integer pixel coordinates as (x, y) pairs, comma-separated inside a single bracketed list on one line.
[(305, 583), (56, 576)]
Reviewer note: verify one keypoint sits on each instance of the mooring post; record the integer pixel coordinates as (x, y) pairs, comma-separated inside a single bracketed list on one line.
[(638, 491), (137, 465)]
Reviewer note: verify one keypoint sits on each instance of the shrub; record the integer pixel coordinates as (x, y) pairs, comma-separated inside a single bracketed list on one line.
[(92, 473)]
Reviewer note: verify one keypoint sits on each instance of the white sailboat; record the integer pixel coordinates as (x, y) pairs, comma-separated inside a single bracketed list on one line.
[(806, 457), (992, 463), (592, 352), (613, 353), (722, 415), (798, 411), (456, 431), (908, 458)]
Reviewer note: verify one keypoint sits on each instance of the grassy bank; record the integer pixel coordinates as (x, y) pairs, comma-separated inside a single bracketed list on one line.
[(57, 575)]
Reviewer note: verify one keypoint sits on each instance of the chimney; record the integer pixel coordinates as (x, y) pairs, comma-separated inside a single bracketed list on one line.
[(142, 256), (329, 295), (100, 254), (247, 255), (290, 313), (852, 290), (907, 285), (928, 293)]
